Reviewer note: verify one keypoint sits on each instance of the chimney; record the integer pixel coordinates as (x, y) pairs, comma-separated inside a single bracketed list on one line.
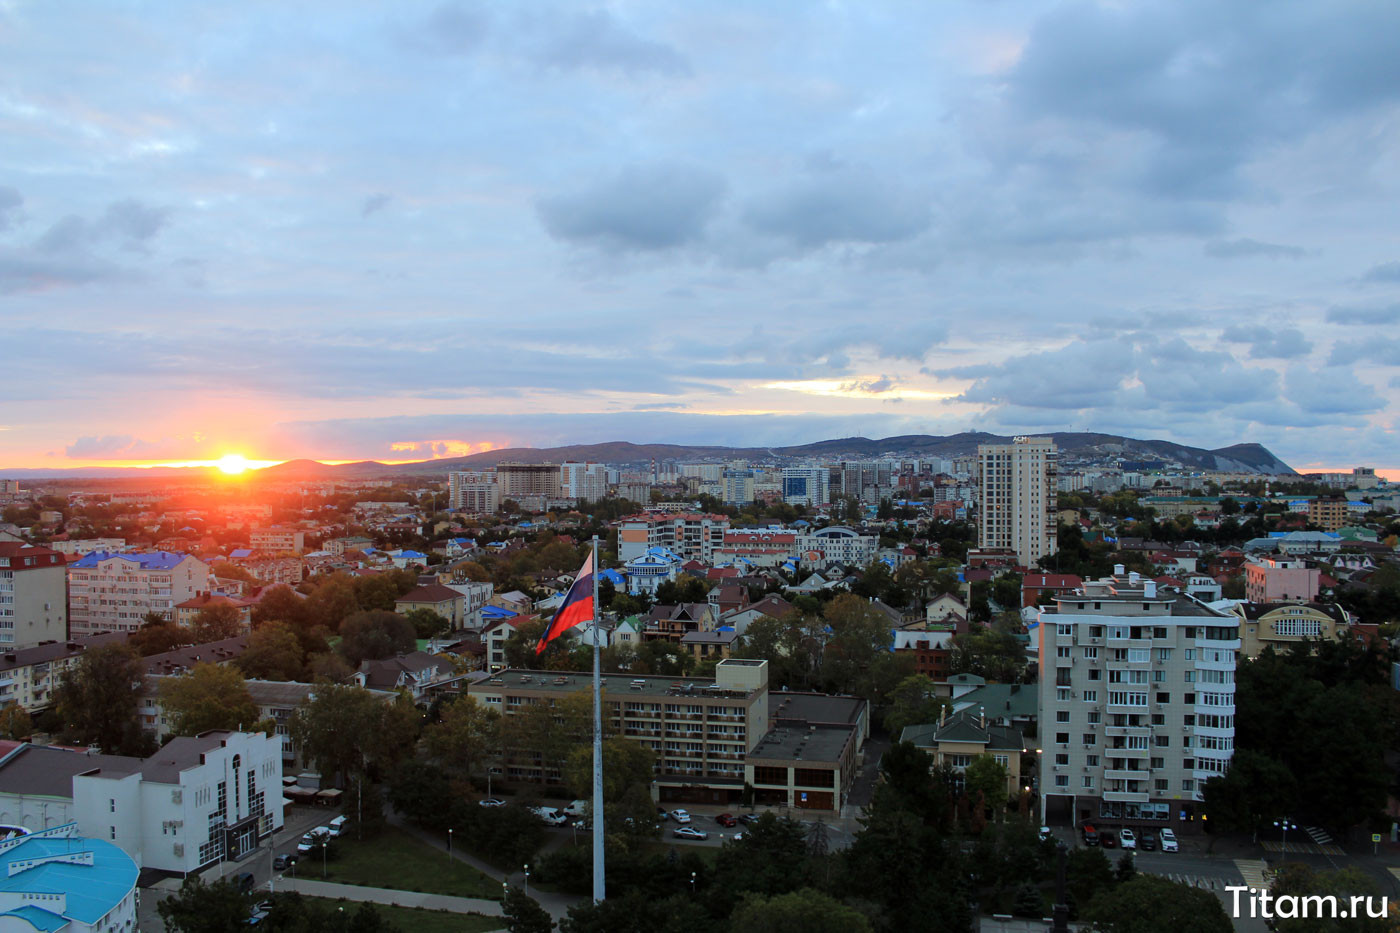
[(1118, 570), (1149, 590), (1133, 577)]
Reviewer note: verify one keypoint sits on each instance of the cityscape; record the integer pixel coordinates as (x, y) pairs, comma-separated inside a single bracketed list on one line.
[(720, 468)]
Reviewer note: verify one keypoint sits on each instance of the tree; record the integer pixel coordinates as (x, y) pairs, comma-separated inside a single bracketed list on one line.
[(625, 764), (15, 722), (524, 914), (1087, 872), (375, 634), (421, 791), (273, 653), (1298, 880), (345, 728), (986, 780), (1148, 904), (98, 698), (206, 908), (281, 603), (805, 909), (912, 702), (159, 638), (1254, 792), (768, 860), (209, 697), (332, 601), (329, 667), (427, 623), (1126, 870), (467, 731), (1029, 902), (216, 622)]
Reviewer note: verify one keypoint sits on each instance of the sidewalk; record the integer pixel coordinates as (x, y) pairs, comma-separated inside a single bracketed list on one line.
[(556, 904), (356, 892)]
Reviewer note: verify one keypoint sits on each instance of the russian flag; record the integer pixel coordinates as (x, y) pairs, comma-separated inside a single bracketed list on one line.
[(577, 606)]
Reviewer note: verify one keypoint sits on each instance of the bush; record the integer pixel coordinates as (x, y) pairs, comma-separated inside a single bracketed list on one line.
[(1028, 902), (570, 869)]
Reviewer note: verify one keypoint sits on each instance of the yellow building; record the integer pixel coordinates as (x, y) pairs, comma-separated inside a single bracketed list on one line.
[(1284, 624), (958, 739), (1329, 514)]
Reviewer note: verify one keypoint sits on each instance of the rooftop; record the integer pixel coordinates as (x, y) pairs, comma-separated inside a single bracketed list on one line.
[(148, 560), (619, 685), (92, 888), (47, 771), (52, 651), (815, 707), (795, 741)]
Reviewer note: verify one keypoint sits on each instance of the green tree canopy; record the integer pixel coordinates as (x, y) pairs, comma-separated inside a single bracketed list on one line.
[(211, 696), (466, 733), (1149, 904), (273, 653), (98, 698), (374, 634), (805, 909)]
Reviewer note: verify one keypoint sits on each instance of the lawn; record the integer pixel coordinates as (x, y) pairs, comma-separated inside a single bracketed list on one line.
[(417, 920), (394, 859)]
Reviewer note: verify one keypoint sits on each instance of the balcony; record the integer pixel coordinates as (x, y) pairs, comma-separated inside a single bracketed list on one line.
[(1126, 731), (1126, 796), (1133, 753), (1125, 775)]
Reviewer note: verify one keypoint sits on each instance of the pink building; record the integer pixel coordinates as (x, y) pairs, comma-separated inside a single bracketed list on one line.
[(1280, 580)]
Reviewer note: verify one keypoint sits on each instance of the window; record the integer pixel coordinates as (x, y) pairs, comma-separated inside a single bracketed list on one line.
[(1164, 697), (1159, 631), (1094, 717), (111, 805), (1062, 694), (1002, 760), (113, 831), (1188, 676), (1062, 677), (1158, 719), (1088, 782), (1161, 741), (1091, 760), (1160, 784), (1090, 738), (1092, 696), (1156, 763), (1159, 677), (1091, 654), (1095, 674), (1188, 784), (1061, 758), (1189, 654), (1062, 651), (1062, 715), (1062, 738), (1062, 780)]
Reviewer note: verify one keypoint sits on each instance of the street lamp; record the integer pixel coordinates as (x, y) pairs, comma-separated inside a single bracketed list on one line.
[(1285, 825), (692, 884), (323, 857), (449, 843), (527, 880)]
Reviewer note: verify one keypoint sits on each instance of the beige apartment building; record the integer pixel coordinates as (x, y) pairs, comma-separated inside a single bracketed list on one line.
[(1016, 498), (517, 480), (1282, 625), (1330, 513), (28, 676), (690, 535), (113, 592), (277, 540), (33, 595), (1137, 703)]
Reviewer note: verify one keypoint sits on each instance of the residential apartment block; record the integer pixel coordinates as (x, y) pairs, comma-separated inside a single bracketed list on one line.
[(809, 486), (33, 595), (690, 535), (520, 480), (583, 481), (1137, 703), (1273, 579), (1017, 498), (28, 676), (277, 540), (1329, 513), (112, 592), (836, 544)]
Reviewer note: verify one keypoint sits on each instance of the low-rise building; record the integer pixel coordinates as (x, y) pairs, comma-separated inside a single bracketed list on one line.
[(58, 880), (423, 675), (277, 540), (188, 611), (1282, 625), (960, 738), (434, 597), (1272, 579)]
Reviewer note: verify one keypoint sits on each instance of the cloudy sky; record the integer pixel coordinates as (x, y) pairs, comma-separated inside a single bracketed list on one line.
[(398, 231)]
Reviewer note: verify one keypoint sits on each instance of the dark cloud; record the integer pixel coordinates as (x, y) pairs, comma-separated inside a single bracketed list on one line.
[(452, 29), (1381, 350), (375, 203), (129, 224), (1266, 342), (1384, 272), (1388, 315), (642, 207), (841, 207), (1245, 248), (10, 204), (597, 40)]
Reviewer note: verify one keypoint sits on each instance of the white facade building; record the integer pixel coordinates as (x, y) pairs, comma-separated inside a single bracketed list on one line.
[(837, 544), (1017, 498), (583, 481), (113, 592), (809, 486), (33, 595), (1137, 703)]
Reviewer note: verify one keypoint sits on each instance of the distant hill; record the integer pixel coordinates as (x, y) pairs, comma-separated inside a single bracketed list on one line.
[(1243, 458)]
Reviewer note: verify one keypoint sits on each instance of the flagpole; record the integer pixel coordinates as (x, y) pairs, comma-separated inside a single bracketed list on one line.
[(599, 879)]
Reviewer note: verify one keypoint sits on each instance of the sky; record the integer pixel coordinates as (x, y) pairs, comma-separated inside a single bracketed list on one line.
[(349, 231)]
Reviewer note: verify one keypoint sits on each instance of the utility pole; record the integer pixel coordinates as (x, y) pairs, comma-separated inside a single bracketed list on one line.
[(599, 881)]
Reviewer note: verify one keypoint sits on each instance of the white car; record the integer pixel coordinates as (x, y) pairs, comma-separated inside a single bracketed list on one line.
[(551, 816), (337, 826), (1169, 841), (1127, 839), (680, 816), (689, 832), (490, 802)]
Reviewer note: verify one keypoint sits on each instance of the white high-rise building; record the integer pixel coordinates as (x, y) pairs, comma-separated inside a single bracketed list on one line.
[(1017, 498), (583, 481), (474, 492), (1137, 704)]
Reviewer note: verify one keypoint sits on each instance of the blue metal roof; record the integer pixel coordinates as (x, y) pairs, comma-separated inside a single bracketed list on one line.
[(149, 560), (496, 612), (241, 552), (92, 890), (38, 918)]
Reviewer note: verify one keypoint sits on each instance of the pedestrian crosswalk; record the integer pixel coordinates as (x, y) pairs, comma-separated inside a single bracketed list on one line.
[(1195, 881), (1298, 847), (1254, 872), (1318, 835)]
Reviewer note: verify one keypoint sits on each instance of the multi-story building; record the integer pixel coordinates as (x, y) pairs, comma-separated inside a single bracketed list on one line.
[(583, 481), (1017, 498), (277, 540), (635, 491), (33, 595), (521, 480), (809, 486), (956, 741), (1329, 513), (55, 879), (1271, 579), (187, 612), (1137, 703), (82, 546), (868, 481), (759, 548), (737, 485), (338, 546), (29, 676), (1283, 624), (113, 592), (836, 544), (691, 535)]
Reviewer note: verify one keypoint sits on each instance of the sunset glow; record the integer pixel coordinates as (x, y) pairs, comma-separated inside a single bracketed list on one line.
[(233, 464)]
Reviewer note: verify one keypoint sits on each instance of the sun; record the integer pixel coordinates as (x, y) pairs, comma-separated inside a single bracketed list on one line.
[(232, 464)]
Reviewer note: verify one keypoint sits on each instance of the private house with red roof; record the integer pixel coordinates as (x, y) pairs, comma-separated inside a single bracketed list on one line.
[(187, 611), (1035, 586)]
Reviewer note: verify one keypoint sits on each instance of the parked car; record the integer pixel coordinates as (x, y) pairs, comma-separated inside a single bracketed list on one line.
[(551, 816), (1169, 841), (1108, 840), (246, 882), (1089, 834), (726, 819), (1045, 834), (283, 862), (490, 802), (662, 815), (307, 843), (1126, 838), (680, 816), (337, 826), (689, 832), (749, 818), (578, 809), (1148, 842)]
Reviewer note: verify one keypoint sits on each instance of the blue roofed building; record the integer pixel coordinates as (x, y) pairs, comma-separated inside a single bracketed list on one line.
[(57, 880), (111, 592), (648, 571)]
